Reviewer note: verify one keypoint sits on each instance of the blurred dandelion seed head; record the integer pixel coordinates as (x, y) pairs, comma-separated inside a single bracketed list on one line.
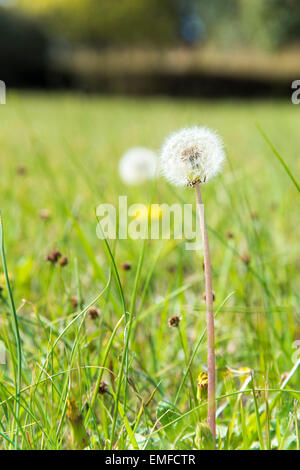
[(191, 155), (138, 165)]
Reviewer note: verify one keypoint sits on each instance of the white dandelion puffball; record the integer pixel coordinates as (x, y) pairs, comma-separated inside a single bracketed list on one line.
[(138, 165), (191, 156)]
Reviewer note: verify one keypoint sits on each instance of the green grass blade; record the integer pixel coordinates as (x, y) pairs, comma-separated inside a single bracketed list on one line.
[(277, 154), (16, 327)]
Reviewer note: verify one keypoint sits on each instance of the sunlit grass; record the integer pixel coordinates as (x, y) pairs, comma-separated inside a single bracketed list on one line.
[(60, 153)]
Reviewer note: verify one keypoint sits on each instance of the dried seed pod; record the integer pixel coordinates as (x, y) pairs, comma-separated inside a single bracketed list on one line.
[(63, 261), (103, 388), (246, 258), (21, 170), (53, 256), (126, 266), (174, 321), (74, 302), (44, 214)]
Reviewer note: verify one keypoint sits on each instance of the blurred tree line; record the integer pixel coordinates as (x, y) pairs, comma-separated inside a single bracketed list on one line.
[(106, 22), (257, 23), (33, 33), (227, 23)]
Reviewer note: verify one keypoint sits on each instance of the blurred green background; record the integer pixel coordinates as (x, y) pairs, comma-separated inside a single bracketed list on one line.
[(177, 47)]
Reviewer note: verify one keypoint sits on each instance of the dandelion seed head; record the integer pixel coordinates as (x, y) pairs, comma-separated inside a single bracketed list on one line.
[(191, 155), (138, 165)]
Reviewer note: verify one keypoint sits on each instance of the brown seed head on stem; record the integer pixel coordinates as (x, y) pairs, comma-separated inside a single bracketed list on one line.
[(63, 261), (103, 388), (246, 259), (53, 256), (74, 302), (126, 266), (44, 214), (94, 312), (174, 321)]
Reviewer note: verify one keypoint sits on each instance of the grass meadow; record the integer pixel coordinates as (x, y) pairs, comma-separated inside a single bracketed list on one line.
[(75, 380)]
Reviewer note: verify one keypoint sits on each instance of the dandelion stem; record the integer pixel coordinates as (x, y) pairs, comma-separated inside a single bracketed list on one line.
[(211, 392)]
